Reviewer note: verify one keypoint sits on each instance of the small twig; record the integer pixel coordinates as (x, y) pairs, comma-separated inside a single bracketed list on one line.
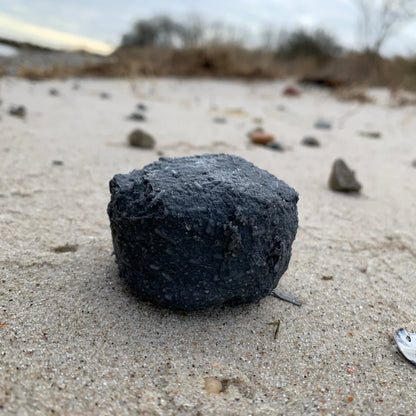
[(277, 325)]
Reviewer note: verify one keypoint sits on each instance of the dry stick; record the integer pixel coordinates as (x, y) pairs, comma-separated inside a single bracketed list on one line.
[(277, 325), (286, 297)]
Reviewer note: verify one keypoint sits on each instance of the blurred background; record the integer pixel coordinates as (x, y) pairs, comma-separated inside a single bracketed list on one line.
[(371, 42)]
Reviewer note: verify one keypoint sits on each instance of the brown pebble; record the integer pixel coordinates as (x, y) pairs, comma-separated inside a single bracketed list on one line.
[(67, 248), (213, 385), (327, 277), (291, 92), (260, 137)]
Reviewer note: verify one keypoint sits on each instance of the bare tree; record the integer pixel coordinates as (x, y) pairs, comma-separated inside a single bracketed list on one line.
[(380, 19), (194, 31), (269, 38)]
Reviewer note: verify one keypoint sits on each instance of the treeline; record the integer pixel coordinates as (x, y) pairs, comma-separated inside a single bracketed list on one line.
[(169, 33)]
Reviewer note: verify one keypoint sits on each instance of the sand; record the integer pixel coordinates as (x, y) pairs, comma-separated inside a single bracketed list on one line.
[(74, 341)]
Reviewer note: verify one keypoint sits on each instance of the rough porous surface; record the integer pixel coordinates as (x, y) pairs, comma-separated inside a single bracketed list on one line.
[(193, 232)]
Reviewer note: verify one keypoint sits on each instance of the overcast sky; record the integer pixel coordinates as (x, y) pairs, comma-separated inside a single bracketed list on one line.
[(107, 20)]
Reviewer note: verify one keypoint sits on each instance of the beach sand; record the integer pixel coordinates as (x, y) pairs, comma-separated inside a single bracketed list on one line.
[(75, 341)]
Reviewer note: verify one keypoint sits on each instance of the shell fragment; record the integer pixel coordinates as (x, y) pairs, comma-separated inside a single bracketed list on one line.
[(406, 342)]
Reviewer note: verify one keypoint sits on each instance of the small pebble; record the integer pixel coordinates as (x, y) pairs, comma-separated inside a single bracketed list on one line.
[(275, 146), (213, 385), (142, 107), (139, 138), (75, 86), (105, 95), (342, 178), (54, 92), (291, 92), (219, 120), (327, 277), (136, 117), (18, 111), (67, 248), (310, 141), (323, 125), (261, 137), (57, 162), (414, 163), (370, 134)]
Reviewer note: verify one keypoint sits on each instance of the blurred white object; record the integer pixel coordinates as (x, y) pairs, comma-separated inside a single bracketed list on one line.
[(406, 342)]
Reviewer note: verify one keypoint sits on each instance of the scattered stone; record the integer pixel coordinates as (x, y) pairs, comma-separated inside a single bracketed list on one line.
[(310, 141), (142, 107), (257, 120), (199, 231), (213, 385), (67, 248), (139, 138), (219, 120), (370, 134), (105, 95), (18, 111), (54, 92), (327, 277), (275, 146), (323, 125), (414, 163), (291, 92), (281, 108), (136, 117), (76, 86), (57, 162), (258, 136), (342, 178)]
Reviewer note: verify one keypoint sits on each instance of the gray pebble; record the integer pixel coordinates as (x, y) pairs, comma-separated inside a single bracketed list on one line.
[(136, 117), (310, 141), (342, 178), (275, 146), (323, 125), (18, 111), (139, 138)]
